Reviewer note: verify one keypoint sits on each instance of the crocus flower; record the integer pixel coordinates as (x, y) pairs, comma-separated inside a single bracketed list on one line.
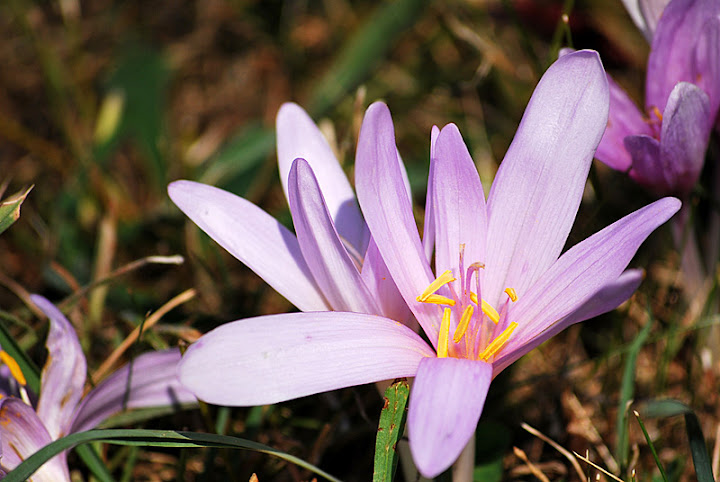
[(338, 268), (663, 148), (62, 409), (501, 285)]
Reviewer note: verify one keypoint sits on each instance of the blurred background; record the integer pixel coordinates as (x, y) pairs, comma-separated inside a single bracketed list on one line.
[(103, 103)]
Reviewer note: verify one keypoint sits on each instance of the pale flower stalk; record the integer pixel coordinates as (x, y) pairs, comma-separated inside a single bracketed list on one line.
[(501, 286)]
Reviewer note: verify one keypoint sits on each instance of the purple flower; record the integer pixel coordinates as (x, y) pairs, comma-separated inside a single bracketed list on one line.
[(333, 262), (663, 148), (501, 287), (62, 409)]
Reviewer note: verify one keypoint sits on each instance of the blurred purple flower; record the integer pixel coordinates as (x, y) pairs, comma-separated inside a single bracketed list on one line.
[(664, 147), (61, 407), (486, 254), (332, 263)]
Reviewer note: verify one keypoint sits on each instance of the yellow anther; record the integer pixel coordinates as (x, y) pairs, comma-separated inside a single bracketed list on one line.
[(441, 281), (442, 346), (486, 308), (14, 368), (437, 300), (511, 293), (464, 323), (657, 113), (498, 343)]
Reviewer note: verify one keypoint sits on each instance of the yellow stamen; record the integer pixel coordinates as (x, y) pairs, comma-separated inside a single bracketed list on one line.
[(464, 323), (486, 308), (438, 300), (498, 343), (657, 113), (442, 346), (511, 293), (441, 281), (14, 368)]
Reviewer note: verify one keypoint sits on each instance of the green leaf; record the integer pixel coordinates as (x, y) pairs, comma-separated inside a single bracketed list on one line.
[(150, 438), (10, 208), (652, 448), (390, 429), (698, 448), (627, 392)]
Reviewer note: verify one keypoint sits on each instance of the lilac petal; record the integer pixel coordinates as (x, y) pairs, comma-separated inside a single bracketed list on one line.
[(606, 299), (706, 62), (428, 238), (446, 401), (625, 120), (389, 216), (64, 373), (685, 133), (671, 59), (647, 168), (379, 281), (273, 358), (298, 136), (153, 382), (633, 9), (583, 270), (252, 236), (459, 203), (21, 435), (538, 188), (326, 256)]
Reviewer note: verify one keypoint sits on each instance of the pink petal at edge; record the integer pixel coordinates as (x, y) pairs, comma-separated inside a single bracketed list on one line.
[(64, 373)]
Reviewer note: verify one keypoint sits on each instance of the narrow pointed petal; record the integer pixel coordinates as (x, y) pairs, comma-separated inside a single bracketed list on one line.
[(647, 168), (326, 256), (606, 299), (252, 236), (379, 282), (63, 376), (21, 435), (153, 382), (625, 120), (446, 401), (428, 238), (685, 134), (298, 136), (538, 188), (459, 203), (389, 216), (273, 358), (670, 59), (584, 270)]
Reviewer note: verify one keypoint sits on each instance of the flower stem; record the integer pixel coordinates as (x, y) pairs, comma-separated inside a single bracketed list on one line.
[(464, 466)]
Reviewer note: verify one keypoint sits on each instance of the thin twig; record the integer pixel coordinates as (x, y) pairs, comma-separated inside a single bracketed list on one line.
[(135, 334), (566, 453)]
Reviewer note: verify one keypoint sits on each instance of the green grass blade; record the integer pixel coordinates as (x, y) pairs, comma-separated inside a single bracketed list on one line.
[(652, 446), (627, 392), (390, 429), (698, 448), (150, 438), (10, 208), (93, 462)]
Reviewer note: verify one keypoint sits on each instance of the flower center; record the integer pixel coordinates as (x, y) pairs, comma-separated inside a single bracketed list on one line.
[(469, 314)]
